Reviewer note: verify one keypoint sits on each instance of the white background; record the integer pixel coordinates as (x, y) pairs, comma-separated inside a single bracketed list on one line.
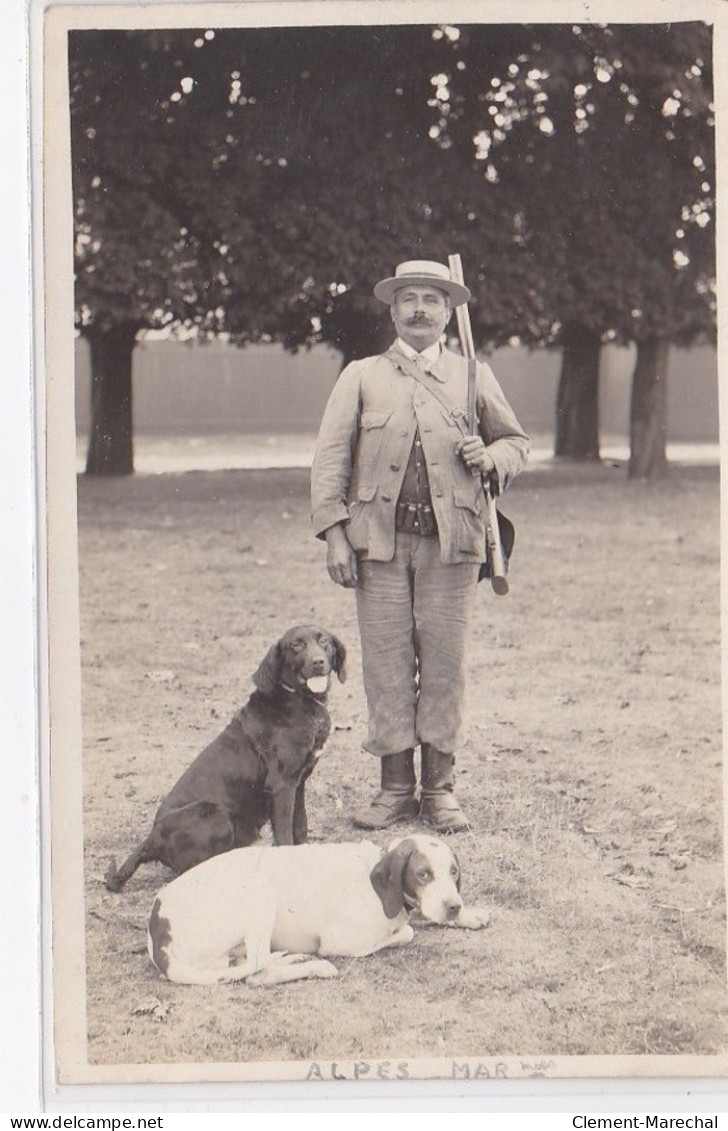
[(18, 794), (20, 1073)]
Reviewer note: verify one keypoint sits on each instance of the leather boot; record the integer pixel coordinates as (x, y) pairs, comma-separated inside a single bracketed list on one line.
[(438, 805), (396, 800)]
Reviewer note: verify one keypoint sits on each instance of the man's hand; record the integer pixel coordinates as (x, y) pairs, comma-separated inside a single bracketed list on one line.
[(472, 452), (341, 559)]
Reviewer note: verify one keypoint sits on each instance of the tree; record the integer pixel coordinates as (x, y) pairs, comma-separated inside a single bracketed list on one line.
[(256, 182), (137, 264), (668, 219), (602, 138), (252, 183)]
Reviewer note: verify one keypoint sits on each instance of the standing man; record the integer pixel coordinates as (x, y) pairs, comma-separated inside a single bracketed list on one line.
[(396, 493)]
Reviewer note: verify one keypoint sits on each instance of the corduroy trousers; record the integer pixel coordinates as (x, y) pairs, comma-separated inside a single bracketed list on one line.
[(414, 614)]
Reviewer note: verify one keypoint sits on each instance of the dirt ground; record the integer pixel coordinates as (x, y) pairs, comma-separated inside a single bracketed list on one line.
[(591, 772)]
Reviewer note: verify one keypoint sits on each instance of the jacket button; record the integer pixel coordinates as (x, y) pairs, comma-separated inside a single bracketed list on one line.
[(394, 466), (386, 498)]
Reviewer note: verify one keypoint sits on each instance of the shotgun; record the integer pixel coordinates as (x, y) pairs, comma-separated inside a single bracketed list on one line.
[(498, 579)]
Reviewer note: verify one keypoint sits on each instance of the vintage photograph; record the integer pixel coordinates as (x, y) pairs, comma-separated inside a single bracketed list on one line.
[(383, 492)]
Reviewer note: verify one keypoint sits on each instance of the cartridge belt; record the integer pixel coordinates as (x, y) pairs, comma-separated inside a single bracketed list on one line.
[(415, 518)]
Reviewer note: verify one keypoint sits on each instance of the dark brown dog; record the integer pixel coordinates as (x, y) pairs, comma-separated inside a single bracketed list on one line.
[(256, 770)]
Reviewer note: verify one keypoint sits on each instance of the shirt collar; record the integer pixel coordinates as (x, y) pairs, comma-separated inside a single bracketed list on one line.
[(433, 356), (430, 355)]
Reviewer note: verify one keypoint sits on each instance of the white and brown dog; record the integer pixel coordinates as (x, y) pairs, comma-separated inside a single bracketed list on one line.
[(286, 903)]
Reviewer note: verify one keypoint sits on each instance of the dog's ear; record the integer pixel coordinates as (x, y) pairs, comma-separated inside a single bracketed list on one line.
[(387, 877), (268, 674), (339, 662), (457, 865)]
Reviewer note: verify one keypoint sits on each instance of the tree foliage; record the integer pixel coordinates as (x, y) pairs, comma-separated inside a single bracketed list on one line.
[(602, 138), (257, 182)]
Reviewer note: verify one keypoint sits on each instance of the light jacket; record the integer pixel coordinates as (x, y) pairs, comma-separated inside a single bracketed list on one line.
[(365, 440)]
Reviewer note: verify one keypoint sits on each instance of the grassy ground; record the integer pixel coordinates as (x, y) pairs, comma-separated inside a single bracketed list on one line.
[(591, 773)]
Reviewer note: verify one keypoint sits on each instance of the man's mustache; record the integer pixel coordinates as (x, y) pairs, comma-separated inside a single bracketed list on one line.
[(415, 318)]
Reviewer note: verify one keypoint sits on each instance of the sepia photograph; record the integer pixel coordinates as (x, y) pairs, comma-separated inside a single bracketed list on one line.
[(381, 469)]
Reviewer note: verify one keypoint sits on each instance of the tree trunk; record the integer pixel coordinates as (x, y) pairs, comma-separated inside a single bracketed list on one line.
[(111, 445), (648, 411), (577, 405)]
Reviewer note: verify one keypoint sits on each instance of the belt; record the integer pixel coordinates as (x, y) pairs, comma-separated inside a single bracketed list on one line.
[(415, 518)]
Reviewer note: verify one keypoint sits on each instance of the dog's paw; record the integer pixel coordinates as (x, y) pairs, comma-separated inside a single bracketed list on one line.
[(315, 967), (285, 971), (473, 918), (323, 969), (263, 977), (403, 936), (283, 958)]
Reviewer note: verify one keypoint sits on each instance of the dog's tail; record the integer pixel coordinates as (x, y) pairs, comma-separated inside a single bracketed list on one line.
[(188, 975), (115, 878)]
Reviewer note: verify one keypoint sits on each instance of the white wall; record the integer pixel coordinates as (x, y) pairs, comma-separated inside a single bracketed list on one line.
[(202, 389)]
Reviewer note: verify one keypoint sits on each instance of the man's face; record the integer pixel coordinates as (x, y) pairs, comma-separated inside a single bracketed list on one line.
[(420, 315)]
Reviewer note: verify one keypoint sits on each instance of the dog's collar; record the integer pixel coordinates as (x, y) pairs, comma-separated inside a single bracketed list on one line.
[(290, 690)]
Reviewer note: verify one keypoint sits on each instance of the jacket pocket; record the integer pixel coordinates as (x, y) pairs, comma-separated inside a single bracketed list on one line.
[(469, 520), (357, 528), (371, 437)]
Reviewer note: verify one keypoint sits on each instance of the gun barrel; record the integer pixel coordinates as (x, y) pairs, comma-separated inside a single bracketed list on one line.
[(498, 581)]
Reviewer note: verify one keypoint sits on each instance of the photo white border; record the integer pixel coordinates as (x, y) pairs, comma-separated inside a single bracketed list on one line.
[(20, 955)]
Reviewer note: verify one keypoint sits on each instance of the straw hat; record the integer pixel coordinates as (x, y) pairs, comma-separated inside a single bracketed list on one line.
[(421, 273)]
